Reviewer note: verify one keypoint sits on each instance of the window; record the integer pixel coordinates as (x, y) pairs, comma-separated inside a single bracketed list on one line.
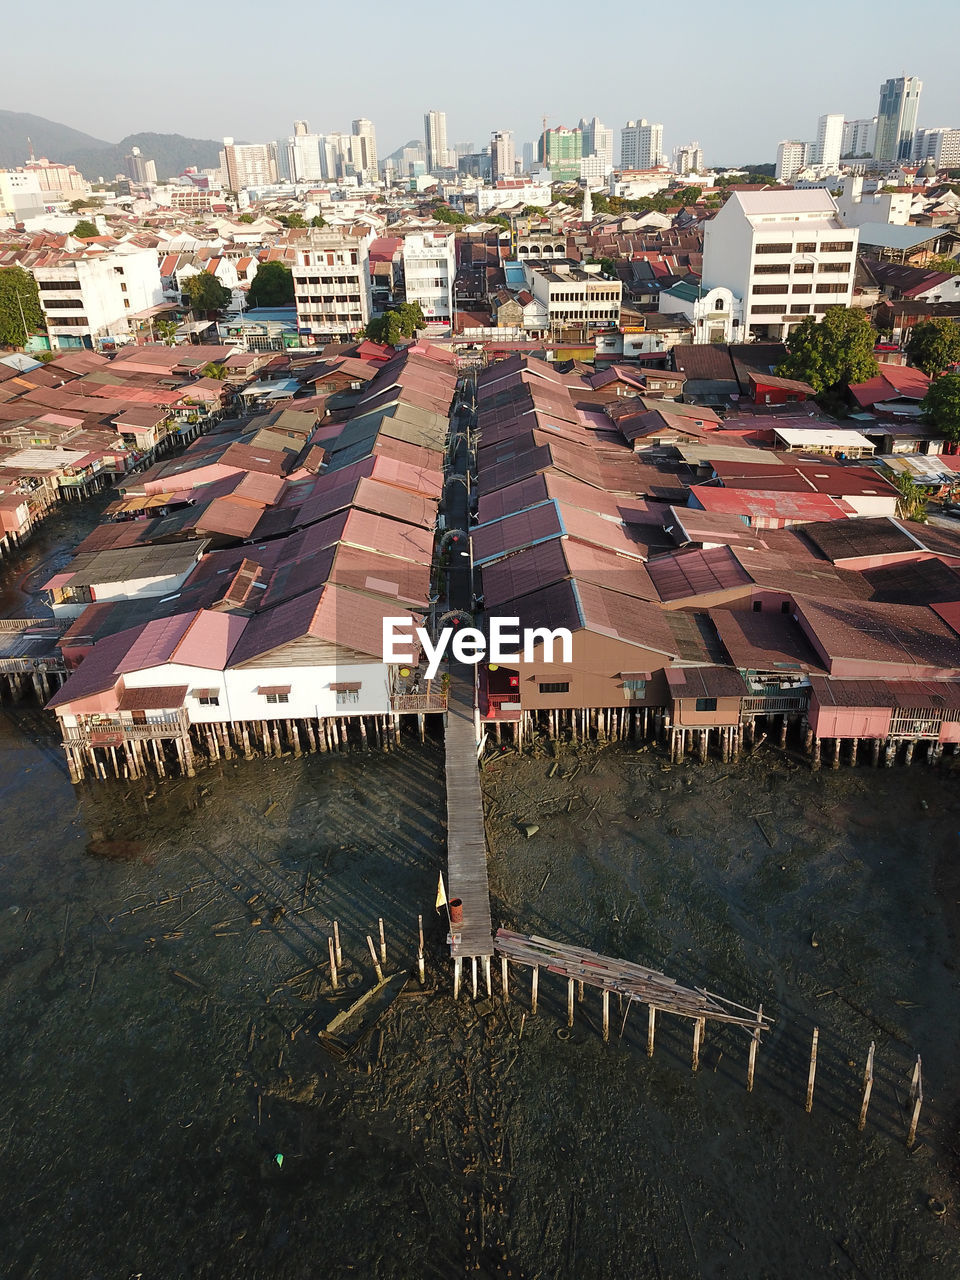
[(770, 288), (800, 309), (831, 288), (634, 689), (773, 248), (836, 246), (758, 606), (53, 304), (807, 248), (209, 699), (770, 309), (274, 698), (785, 606), (803, 268), (802, 288), (345, 697), (73, 285), (772, 269), (556, 686), (706, 704), (838, 268)]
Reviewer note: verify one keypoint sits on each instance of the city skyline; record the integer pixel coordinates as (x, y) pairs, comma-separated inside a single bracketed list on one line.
[(779, 100)]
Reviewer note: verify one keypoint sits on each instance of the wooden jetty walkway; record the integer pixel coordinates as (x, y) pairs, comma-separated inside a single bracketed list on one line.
[(466, 841)]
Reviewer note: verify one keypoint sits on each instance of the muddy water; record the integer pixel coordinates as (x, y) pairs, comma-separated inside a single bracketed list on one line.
[(163, 968)]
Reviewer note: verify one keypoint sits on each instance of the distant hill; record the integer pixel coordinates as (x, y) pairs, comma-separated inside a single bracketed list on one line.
[(94, 157)]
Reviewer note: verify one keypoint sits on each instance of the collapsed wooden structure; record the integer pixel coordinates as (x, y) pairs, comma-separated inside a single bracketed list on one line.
[(631, 981)]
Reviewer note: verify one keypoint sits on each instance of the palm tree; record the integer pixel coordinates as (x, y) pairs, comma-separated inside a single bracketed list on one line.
[(912, 499), (214, 370)]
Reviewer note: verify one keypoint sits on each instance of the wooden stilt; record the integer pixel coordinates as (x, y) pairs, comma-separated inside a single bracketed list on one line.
[(812, 1073), (333, 964), (534, 984), (383, 942), (651, 1028), (569, 1002), (698, 1026), (916, 1093), (336, 942), (487, 982), (373, 957), (867, 1088), (457, 976), (473, 975), (505, 978), (908, 754), (606, 1015), (754, 1044)]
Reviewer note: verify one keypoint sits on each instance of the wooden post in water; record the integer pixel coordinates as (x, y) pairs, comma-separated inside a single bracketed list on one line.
[(916, 1093), (488, 983), (336, 942), (383, 942), (754, 1045), (505, 978), (867, 1088), (333, 965), (698, 1026), (651, 1028), (473, 969), (812, 1073), (373, 957), (606, 1015), (420, 966), (457, 976), (569, 1002), (534, 985)]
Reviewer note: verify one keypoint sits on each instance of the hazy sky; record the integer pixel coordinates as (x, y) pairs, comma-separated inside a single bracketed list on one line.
[(739, 76)]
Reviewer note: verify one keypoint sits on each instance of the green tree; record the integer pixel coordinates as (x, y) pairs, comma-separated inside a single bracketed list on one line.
[(246, 218), (77, 205), (205, 292), (832, 352), (911, 500), (940, 262), (608, 266), (941, 405), (166, 332), (401, 321), (294, 221), (85, 228), (214, 370), (933, 344), (317, 221), (272, 286), (20, 313)]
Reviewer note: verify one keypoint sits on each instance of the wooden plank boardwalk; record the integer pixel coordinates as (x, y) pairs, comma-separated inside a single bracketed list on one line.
[(466, 841)]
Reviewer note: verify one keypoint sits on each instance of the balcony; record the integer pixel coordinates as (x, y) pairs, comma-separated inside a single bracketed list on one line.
[(422, 703), (765, 704), (104, 731)]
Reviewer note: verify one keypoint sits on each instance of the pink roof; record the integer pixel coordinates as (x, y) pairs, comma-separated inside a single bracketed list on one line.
[(893, 382), (795, 508)]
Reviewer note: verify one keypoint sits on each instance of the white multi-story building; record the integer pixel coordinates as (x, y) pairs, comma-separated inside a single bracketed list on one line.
[(858, 137), (786, 254), (791, 158), (942, 146), (365, 149), (829, 143), (574, 297), (247, 165), (688, 158), (502, 155), (641, 145), (429, 270), (435, 137), (331, 282), (89, 297), (857, 207), (19, 193)]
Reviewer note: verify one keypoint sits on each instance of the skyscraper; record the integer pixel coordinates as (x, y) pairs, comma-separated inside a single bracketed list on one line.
[(365, 149), (501, 154), (791, 157), (688, 158), (897, 119), (829, 141), (247, 165), (435, 137), (597, 141), (560, 150), (641, 145), (859, 137)]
